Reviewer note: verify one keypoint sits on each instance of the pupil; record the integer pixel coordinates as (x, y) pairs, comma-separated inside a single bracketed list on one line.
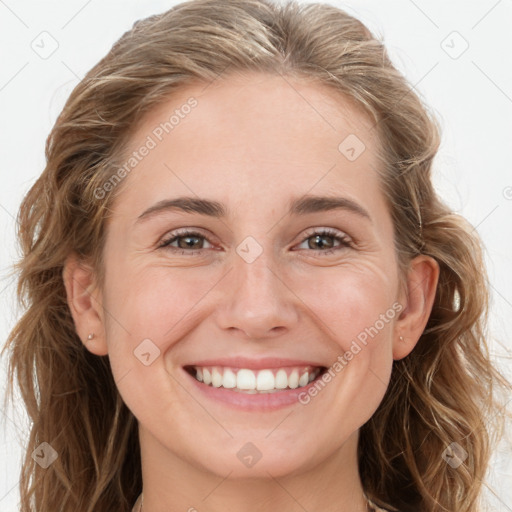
[(188, 242), (318, 240)]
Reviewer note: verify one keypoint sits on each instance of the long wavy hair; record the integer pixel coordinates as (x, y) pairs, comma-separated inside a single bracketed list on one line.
[(444, 392)]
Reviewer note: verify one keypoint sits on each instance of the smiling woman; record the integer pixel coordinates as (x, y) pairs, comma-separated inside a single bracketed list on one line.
[(242, 290)]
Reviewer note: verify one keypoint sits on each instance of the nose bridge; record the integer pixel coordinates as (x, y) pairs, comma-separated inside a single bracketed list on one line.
[(255, 279), (257, 301)]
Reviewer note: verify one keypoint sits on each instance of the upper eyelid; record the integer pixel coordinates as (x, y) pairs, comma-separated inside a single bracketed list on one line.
[(329, 231)]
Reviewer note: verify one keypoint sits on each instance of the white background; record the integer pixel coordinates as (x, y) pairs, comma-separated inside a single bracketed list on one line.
[(471, 94)]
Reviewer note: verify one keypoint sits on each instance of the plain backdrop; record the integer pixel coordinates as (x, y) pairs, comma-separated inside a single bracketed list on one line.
[(455, 54)]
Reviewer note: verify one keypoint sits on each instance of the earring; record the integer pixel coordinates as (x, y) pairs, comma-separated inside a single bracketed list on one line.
[(401, 338), (90, 337)]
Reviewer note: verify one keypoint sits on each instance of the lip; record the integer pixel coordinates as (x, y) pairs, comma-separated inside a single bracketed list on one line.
[(251, 402)]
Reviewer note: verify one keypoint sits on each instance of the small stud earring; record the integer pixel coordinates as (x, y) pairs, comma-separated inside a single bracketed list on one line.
[(91, 336), (401, 338)]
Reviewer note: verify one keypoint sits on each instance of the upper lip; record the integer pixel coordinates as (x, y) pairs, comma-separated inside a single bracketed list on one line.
[(253, 363)]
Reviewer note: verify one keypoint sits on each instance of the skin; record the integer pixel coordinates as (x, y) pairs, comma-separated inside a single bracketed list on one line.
[(253, 143)]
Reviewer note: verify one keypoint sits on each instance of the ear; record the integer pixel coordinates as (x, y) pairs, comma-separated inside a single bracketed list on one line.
[(418, 298), (85, 303)]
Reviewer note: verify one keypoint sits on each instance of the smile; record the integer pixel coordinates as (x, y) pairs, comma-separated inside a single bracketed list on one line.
[(245, 380)]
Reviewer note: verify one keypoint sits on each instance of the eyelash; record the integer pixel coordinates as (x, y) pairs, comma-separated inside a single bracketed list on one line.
[(345, 241)]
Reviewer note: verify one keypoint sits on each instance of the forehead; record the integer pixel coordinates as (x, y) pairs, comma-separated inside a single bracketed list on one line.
[(252, 137)]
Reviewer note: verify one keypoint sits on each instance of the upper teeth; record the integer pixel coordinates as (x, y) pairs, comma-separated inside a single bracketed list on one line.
[(252, 381)]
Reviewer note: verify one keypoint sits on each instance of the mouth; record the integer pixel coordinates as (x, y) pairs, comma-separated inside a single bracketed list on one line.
[(252, 381)]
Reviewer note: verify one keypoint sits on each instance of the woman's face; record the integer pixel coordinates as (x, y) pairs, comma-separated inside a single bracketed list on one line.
[(250, 281)]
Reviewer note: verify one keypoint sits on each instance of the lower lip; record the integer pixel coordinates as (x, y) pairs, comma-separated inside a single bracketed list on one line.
[(252, 401)]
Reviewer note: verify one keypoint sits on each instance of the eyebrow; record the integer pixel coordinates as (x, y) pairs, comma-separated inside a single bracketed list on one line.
[(302, 206)]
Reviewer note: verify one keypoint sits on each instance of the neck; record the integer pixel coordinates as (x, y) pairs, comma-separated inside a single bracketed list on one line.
[(174, 484)]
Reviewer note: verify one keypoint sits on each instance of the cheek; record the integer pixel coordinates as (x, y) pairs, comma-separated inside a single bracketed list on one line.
[(350, 303), (147, 313), (357, 309), (156, 302)]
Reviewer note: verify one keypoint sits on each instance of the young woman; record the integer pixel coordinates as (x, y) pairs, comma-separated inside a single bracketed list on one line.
[(242, 291)]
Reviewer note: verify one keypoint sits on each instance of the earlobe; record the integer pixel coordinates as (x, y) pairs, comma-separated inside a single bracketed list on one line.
[(84, 302), (420, 292)]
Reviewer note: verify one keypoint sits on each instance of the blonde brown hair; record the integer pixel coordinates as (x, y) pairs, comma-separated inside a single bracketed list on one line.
[(441, 393)]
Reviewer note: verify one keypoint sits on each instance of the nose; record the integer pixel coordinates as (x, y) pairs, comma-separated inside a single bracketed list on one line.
[(257, 302)]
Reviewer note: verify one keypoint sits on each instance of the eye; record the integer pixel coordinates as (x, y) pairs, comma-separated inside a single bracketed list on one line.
[(188, 242), (324, 241)]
